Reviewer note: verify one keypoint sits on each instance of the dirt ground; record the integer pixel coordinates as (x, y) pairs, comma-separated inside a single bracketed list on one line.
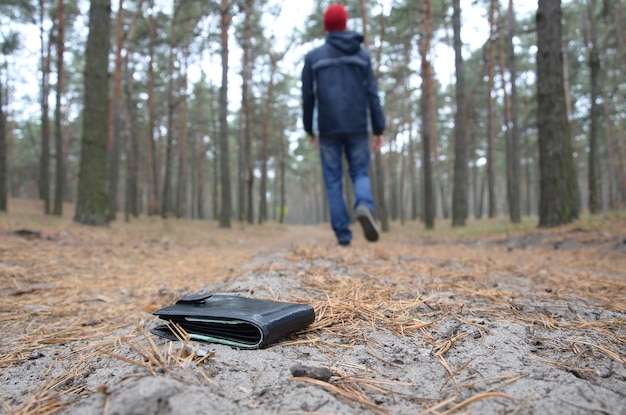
[(488, 319)]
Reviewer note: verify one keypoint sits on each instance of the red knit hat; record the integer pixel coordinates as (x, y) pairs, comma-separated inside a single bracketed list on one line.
[(335, 18)]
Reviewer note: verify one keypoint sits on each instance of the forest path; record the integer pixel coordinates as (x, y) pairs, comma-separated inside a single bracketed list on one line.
[(493, 317)]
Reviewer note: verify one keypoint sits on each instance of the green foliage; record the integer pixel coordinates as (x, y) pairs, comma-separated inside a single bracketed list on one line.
[(18, 10)]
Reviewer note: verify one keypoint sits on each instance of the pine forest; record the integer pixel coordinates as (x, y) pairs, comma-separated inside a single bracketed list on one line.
[(192, 109)]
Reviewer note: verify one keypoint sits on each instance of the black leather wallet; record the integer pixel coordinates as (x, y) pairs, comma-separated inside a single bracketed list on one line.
[(246, 323)]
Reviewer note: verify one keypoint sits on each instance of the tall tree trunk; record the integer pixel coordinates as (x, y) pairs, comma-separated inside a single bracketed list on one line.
[(166, 201), (513, 153), (414, 194), (183, 136), (491, 116), (44, 165), (558, 193), (402, 183), (470, 139), (201, 148), (132, 148), (246, 171), (4, 167), (91, 204), (614, 134), (620, 25), (214, 148), (506, 102), (424, 45), (282, 163), (58, 129), (152, 167), (528, 155), (226, 205), (376, 171), (265, 137), (151, 159), (115, 116), (459, 196), (394, 209), (595, 176)]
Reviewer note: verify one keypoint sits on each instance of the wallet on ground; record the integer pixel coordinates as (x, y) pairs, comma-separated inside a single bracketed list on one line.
[(247, 323)]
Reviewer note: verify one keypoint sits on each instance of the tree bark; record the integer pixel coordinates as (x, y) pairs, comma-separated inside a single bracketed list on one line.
[(115, 116), (424, 45), (491, 116), (513, 161), (183, 136), (558, 190), (226, 206), (44, 165), (91, 204), (282, 189), (58, 129), (4, 167), (131, 206), (265, 136), (376, 171), (132, 149), (166, 198), (459, 197), (594, 177), (246, 171), (152, 168)]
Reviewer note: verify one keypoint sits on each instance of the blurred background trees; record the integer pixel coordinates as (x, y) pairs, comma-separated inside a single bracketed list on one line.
[(204, 96)]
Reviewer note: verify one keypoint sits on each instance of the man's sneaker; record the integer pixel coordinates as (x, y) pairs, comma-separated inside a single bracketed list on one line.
[(370, 229), (344, 243)]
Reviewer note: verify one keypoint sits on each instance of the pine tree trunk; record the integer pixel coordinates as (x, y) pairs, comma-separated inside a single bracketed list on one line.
[(513, 161), (427, 116), (115, 116), (459, 197), (470, 140), (152, 168), (491, 116), (226, 206), (4, 167), (393, 181), (282, 190), (183, 136), (91, 204), (413, 173), (265, 137), (558, 190), (620, 144), (58, 128), (166, 201), (246, 172), (594, 177), (132, 147), (44, 166), (376, 170)]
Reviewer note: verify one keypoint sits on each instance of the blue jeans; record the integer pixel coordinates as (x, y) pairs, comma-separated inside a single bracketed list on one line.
[(357, 150)]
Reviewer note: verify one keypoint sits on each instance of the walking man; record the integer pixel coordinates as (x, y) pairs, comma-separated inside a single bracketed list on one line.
[(340, 105)]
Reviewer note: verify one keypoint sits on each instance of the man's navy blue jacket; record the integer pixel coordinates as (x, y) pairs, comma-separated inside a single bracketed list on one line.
[(339, 89)]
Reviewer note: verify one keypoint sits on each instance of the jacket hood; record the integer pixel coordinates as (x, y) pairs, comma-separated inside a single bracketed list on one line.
[(347, 42)]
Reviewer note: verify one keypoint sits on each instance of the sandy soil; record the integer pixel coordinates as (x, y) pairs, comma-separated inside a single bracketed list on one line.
[(487, 320)]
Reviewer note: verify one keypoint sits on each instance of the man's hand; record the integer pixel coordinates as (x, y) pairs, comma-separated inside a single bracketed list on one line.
[(377, 142), (313, 140)]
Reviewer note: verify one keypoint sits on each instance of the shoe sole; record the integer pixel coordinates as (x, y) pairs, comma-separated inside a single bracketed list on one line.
[(367, 223)]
